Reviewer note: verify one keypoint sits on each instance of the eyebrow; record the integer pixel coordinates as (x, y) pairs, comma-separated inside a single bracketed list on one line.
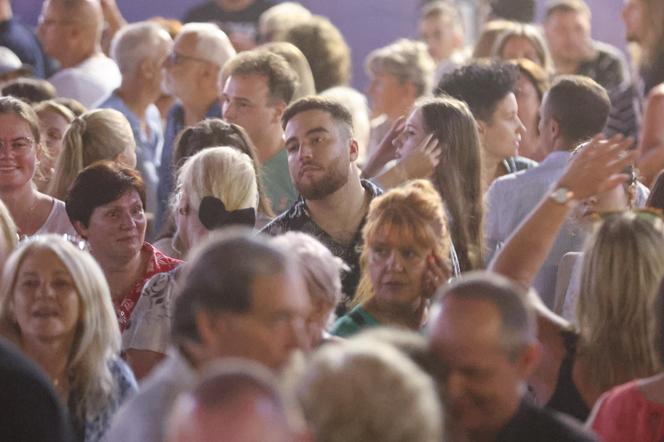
[(308, 133)]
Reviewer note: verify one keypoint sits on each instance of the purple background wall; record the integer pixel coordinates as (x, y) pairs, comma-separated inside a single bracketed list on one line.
[(366, 24)]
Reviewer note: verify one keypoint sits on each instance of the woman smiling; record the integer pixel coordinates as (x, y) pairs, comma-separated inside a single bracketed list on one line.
[(20, 140)]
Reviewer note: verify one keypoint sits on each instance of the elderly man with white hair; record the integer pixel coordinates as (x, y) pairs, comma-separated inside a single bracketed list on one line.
[(140, 50), (191, 73), (70, 31)]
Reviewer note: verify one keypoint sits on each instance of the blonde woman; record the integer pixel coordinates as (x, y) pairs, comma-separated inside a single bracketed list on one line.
[(404, 259), (56, 307), (215, 187), (102, 134), (20, 147), (54, 119), (8, 236)]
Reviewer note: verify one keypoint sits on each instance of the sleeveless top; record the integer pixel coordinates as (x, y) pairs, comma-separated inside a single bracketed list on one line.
[(566, 398)]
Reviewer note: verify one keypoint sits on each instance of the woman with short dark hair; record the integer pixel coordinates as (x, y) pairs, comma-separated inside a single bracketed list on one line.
[(106, 205)]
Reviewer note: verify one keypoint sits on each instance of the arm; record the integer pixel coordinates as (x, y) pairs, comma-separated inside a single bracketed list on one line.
[(651, 147), (385, 151), (595, 169)]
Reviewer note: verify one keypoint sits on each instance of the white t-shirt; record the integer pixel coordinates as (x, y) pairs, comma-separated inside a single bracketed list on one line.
[(57, 221), (90, 82)]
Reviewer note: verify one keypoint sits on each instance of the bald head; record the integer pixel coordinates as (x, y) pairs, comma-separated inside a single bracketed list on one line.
[(237, 400), (70, 30)]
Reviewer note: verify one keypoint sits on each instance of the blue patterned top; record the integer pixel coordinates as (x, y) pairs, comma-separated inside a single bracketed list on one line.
[(95, 426)]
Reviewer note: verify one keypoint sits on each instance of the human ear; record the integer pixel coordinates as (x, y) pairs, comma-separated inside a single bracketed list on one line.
[(279, 108), (528, 359), (80, 229)]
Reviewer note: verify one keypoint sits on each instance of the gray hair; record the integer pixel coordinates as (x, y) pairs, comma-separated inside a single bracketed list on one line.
[(356, 103), (357, 391), (320, 268), (274, 22), (137, 42), (212, 44), (407, 60), (518, 327)]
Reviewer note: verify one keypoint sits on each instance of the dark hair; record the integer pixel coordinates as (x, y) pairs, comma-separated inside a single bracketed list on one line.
[(281, 78), (458, 175), (554, 6), (518, 326), (481, 84), (219, 277), (214, 132), (337, 111), (656, 197), (516, 10), (326, 50), (30, 90), (579, 105), (98, 184)]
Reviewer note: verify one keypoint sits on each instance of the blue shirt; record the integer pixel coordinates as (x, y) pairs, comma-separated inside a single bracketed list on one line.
[(148, 146), (174, 125), (23, 42)]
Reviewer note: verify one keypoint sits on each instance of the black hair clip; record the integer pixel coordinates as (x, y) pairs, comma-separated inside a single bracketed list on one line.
[(213, 214)]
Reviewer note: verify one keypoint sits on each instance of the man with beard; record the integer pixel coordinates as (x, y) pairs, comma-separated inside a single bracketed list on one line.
[(333, 200)]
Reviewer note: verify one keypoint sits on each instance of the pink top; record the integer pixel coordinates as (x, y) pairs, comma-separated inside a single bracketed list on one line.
[(624, 414)]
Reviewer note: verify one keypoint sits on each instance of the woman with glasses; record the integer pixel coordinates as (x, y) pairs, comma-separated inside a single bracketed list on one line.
[(215, 187), (208, 133), (20, 145), (55, 306)]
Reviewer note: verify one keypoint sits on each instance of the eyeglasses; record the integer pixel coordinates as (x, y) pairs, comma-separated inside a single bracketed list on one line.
[(175, 59), (17, 146), (74, 240)]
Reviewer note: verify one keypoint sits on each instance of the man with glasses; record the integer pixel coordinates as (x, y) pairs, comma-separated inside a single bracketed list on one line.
[(191, 74), (241, 297), (258, 88), (70, 31)]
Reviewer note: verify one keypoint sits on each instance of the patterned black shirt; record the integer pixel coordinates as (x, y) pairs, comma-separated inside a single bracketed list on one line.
[(297, 218)]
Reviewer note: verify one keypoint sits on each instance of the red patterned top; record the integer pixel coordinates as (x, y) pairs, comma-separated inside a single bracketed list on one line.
[(624, 414), (157, 263)]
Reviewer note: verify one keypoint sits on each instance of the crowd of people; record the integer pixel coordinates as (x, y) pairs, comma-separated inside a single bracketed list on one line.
[(207, 234)]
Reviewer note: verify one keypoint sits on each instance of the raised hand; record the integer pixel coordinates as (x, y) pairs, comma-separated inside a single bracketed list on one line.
[(598, 166)]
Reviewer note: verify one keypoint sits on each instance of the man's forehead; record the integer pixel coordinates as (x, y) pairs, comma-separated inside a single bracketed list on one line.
[(247, 84), (304, 121)]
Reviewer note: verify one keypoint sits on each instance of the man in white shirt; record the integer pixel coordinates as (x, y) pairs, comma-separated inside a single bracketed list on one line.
[(70, 31), (574, 110)]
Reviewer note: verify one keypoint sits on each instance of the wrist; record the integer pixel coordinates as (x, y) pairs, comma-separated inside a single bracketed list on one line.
[(562, 195)]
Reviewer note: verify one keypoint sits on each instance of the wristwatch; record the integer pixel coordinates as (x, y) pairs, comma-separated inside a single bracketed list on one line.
[(562, 195)]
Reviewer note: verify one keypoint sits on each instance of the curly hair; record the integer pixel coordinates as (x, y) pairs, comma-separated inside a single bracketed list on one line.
[(326, 50), (416, 211), (481, 84)]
